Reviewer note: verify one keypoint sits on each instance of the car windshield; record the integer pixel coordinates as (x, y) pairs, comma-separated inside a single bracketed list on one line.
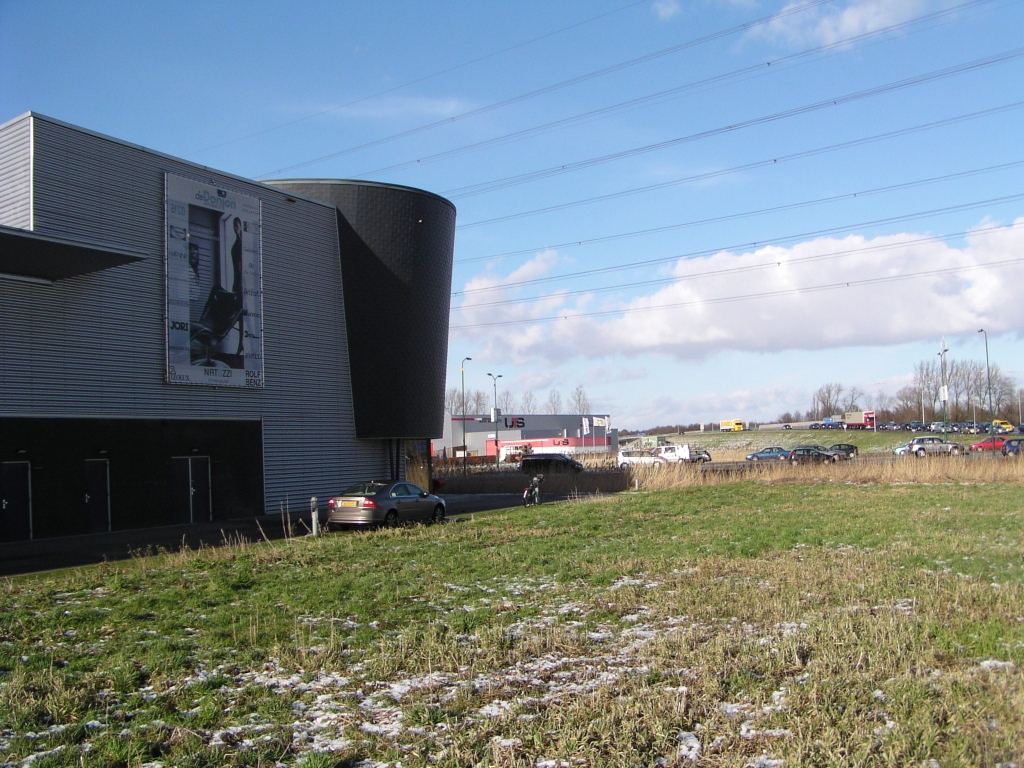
[(363, 489)]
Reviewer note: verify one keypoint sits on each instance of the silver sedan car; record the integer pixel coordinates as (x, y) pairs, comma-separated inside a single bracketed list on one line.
[(388, 503)]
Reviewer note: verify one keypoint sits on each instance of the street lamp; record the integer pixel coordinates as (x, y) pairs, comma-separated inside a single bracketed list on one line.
[(944, 392), (497, 452), (464, 450), (991, 410)]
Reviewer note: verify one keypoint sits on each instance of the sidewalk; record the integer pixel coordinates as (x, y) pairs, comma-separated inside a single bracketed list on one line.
[(22, 557)]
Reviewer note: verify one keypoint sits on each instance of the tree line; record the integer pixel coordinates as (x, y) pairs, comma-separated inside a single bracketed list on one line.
[(966, 380), (480, 402)]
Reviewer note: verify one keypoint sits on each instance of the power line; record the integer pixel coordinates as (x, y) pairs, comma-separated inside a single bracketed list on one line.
[(755, 69), (747, 268), (416, 81), (563, 84), (807, 108), (754, 244), (723, 172), (750, 296)]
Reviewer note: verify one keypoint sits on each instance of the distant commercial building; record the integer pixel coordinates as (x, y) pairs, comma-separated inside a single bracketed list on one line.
[(178, 344), (526, 433)]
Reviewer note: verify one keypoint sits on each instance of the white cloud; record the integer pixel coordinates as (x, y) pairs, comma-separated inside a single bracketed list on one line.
[(683, 320), (666, 9), (833, 22)]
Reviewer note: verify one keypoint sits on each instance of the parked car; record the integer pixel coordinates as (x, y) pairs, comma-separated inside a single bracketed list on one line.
[(638, 458), (809, 455), (549, 463), (815, 425), (847, 448), (774, 453), (837, 454), (388, 503), (1011, 448), (929, 446), (787, 426), (993, 443), (917, 426), (1002, 427)]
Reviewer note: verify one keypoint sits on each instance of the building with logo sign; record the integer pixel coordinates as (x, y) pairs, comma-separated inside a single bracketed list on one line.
[(179, 344), (514, 435)]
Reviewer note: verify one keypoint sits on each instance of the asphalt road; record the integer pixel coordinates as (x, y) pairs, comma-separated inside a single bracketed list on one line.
[(24, 557)]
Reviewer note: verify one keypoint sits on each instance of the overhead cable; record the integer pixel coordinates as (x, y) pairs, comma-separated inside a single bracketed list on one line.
[(751, 296), (866, 93), (753, 244), (723, 172), (759, 68), (408, 83), (980, 232), (788, 11)]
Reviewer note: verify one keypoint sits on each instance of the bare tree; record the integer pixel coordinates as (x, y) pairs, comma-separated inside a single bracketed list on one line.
[(1004, 393), (477, 402), (453, 401), (529, 404), (554, 403), (507, 402), (825, 400), (927, 380), (852, 398), (906, 402), (579, 403)]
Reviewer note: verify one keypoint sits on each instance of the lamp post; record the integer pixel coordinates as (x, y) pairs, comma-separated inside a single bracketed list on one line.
[(944, 392), (464, 450), (497, 452), (991, 410)]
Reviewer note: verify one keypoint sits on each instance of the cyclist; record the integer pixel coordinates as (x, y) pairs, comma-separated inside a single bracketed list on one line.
[(532, 493)]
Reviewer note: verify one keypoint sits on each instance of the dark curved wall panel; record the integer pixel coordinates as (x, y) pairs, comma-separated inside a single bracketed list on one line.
[(397, 246)]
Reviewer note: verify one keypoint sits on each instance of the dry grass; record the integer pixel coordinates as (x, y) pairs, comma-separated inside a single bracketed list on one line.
[(908, 470), (606, 481)]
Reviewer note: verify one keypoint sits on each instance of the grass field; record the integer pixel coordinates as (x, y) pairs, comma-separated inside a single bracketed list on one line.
[(738, 624)]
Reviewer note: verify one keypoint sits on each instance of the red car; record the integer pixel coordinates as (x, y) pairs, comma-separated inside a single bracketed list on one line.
[(991, 443)]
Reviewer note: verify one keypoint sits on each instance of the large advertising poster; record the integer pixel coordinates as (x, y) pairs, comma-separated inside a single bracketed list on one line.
[(214, 285)]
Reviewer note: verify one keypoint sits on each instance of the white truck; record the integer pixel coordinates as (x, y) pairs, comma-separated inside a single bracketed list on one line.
[(677, 453)]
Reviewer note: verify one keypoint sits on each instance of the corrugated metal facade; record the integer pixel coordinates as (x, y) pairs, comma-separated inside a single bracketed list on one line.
[(95, 345), (16, 173)]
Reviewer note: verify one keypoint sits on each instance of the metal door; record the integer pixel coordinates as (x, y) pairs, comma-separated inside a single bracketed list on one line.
[(97, 495), (202, 503), (190, 489), (15, 501)]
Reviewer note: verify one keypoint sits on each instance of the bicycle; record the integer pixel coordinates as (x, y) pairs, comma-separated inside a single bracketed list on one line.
[(531, 493)]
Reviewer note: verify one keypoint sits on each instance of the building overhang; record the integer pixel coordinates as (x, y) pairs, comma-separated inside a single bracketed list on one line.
[(41, 257)]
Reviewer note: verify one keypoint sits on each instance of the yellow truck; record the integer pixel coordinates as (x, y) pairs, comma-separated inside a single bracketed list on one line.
[(731, 425)]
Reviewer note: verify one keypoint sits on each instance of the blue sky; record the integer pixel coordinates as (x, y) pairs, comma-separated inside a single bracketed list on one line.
[(774, 258)]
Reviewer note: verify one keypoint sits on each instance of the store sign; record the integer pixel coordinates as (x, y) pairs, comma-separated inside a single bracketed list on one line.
[(214, 271)]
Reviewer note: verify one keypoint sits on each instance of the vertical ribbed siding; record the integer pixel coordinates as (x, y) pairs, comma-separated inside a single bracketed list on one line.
[(95, 344), (16, 173)]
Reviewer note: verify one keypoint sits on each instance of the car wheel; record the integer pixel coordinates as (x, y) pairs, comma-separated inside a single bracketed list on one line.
[(919, 454), (754, 458), (954, 452), (391, 519), (795, 462), (439, 514), (623, 465)]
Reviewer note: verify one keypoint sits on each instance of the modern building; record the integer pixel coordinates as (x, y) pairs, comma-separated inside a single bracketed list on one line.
[(178, 344), (527, 433)]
